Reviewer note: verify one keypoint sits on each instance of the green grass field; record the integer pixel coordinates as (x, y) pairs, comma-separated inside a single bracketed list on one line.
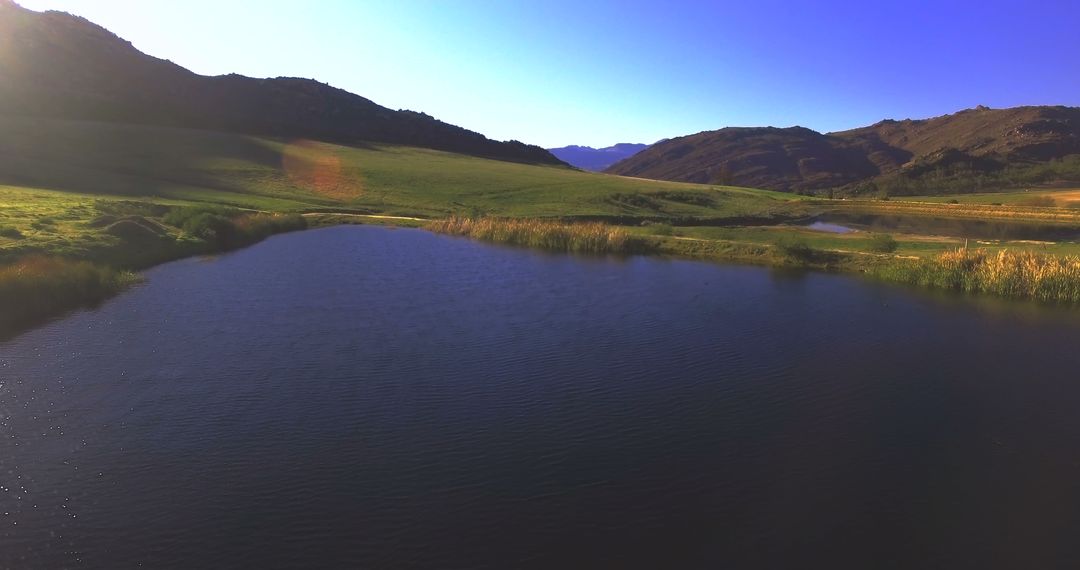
[(251, 172), (1061, 197)]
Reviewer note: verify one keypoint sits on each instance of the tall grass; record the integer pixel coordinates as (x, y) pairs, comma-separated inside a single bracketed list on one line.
[(251, 228), (1015, 274), (543, 234), (37, 287)]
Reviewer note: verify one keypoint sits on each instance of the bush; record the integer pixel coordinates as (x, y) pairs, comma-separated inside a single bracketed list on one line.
[(10, 232), (883, 243), (661, 230), (795, 248), (180, 215), (43, 224), (209, 227)]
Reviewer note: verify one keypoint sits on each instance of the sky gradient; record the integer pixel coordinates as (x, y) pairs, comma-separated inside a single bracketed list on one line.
[(560, 72)]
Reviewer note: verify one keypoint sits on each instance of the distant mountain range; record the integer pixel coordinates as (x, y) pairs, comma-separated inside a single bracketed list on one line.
[(970, 150), (596, 159), (53, 64)]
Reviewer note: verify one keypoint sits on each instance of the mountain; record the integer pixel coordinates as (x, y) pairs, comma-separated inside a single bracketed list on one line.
[(56, 65), (596, 159), (965, 151)]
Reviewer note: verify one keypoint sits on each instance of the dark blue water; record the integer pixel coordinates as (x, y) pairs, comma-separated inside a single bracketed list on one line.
[(372, 398)]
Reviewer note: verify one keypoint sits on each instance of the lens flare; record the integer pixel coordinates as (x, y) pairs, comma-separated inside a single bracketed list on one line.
[(317, 168)]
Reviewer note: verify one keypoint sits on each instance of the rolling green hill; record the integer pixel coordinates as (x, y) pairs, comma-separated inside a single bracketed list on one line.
[(262, 173)]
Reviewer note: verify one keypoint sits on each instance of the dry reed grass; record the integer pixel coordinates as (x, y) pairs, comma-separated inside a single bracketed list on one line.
[(543, 234), (1015, 274)]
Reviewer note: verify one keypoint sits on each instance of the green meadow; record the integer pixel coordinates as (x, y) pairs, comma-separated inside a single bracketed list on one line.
[(150, 163)]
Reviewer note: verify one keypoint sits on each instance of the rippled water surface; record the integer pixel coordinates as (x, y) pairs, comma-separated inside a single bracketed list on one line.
[(372, 398)]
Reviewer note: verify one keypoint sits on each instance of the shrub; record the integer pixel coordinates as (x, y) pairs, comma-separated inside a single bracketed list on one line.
[(43, 224), (10, 232), (693, 198), (227, 228), (795, 248), (209, 227), (635, 201), (883, 243), (180, 215), (662, 230)]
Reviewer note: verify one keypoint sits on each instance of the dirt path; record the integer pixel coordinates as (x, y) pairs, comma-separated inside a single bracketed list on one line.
[(372, 216)]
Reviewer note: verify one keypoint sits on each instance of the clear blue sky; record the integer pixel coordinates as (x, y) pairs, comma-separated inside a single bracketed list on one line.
[(557, 72)]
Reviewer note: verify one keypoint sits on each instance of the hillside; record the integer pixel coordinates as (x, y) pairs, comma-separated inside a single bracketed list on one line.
[(965, 151), (596, 159), (86, 158), (53, 64)]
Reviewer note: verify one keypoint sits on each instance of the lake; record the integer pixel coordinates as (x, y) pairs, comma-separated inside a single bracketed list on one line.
[(360, 397)]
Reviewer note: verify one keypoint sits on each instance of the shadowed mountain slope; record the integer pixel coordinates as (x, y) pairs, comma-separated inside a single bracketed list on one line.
[(56, 65)]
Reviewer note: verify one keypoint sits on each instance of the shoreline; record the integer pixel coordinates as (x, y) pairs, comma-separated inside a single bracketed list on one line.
[(881, 267)]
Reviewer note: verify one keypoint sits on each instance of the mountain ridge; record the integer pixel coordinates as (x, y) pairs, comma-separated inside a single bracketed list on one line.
[(596, 159), (54, 64), (974, 148)]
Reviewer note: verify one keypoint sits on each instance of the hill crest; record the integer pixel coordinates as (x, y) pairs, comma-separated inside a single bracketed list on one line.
[(979, 145)]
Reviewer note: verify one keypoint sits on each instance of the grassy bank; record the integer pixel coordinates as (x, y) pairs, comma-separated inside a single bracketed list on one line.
[(595, 238), (1012, 274), (73, 262)]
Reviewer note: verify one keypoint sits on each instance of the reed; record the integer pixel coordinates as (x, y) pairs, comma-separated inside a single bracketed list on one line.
[(38, 287), (1015, 274), (256, 227), (543, 234)]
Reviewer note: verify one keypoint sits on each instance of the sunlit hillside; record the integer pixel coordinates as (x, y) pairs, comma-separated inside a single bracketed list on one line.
[(262, 173)]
